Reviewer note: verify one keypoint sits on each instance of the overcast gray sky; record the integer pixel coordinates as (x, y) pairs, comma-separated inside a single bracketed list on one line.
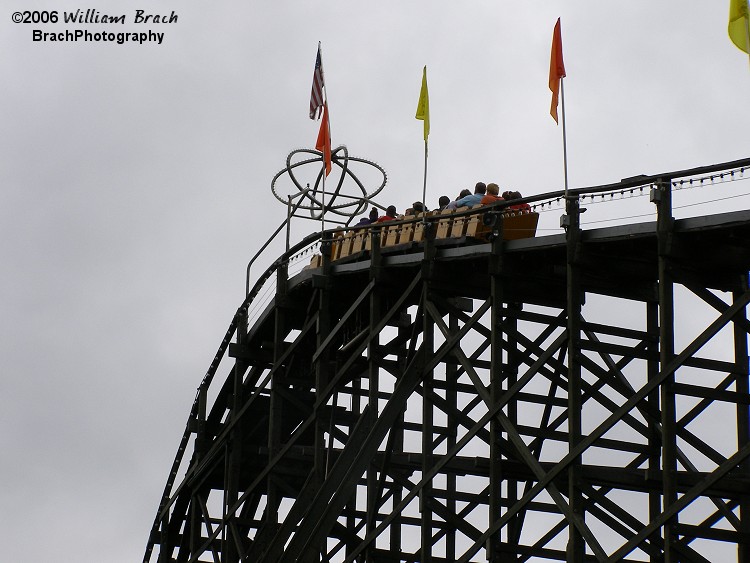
[(135, 186)]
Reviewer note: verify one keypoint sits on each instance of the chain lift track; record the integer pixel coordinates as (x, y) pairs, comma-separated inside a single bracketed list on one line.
[(510, 400)]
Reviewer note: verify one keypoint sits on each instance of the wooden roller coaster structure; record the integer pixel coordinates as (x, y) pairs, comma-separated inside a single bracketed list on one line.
[(451, 388)]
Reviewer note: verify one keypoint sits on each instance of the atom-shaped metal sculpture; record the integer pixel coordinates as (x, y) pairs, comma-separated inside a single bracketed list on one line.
[(326, 194)]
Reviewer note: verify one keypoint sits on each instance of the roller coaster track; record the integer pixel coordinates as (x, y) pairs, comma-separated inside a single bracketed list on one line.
[(580, 396)]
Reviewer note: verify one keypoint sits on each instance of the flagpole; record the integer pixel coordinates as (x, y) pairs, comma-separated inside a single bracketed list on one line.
[(325, 100), (423, 113), (556, 85), (325, 174), (323, 192), (565, 139), (424, 186)]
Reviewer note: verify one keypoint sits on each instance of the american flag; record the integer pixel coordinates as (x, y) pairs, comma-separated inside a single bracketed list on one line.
[(318, 87)]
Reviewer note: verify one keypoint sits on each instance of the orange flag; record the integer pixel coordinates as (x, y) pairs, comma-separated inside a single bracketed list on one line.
[(324, 139), (556, 68)]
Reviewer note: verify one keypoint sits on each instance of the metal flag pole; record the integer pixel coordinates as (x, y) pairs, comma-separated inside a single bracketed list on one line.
[(424, 186), (323, 202), (564, 134), (323, 198), (328, 125), (423, 113)]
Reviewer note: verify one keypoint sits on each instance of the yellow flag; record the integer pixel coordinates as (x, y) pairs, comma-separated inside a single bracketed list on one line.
[(738, 24), (423, 107)]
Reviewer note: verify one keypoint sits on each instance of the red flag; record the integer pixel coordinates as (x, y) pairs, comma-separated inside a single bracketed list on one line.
[(324, 139), (318, 87), (556, 68)]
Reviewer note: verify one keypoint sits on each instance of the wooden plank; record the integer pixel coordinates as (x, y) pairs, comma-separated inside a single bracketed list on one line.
[(391, 238), (336, 245), (316, 261), (358, 242), (346, 245), (475, 227), (419, 227), (445, 223), (458, 227), (406, 234)]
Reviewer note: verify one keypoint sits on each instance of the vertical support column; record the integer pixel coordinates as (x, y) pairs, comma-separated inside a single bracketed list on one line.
[(357, 389), (322, 376), (165, 546), (396, 535), (351, 507), (662, 197), (234, 449), (427, 441), (497, 297), (743, 417), (373, 376), (511, 377), (196, 517), (576, 544), (427, 412), (654, 429), (276, 400), (451, 397), (194, 525)]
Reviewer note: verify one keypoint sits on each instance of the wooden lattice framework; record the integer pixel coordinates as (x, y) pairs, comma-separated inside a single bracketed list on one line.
[(519, 400)]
